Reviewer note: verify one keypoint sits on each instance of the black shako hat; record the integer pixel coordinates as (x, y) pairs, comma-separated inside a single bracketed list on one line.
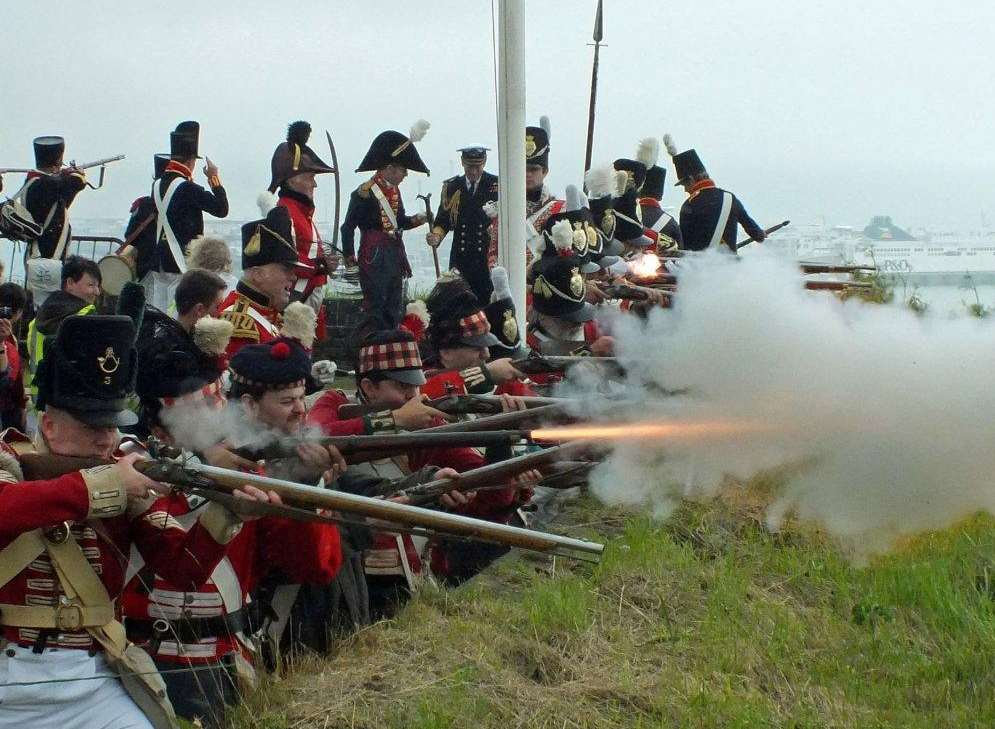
[(627, 224), (653, 182), (277, 364), (501, 316), (558, 289), (184, 141), (49, 151), (687, 164), (270, 240), (89, 370), (456, 318), (637, 169), (537, 144), (392, 147), (159, 163), (294, 157)]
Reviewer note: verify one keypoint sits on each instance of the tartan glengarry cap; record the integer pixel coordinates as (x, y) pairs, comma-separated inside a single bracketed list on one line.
[(398, 360), (475, 330)]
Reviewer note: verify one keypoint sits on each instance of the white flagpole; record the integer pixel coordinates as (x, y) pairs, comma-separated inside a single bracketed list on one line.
[(511, 148)]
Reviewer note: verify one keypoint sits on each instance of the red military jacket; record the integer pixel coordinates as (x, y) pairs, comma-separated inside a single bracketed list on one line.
[(253, 319), (95, 507), (301, 552)]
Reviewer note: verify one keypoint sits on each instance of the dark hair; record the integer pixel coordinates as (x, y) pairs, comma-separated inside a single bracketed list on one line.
[(13, 296), (75, 267), (449, 301), (197, 286), (381, 336)]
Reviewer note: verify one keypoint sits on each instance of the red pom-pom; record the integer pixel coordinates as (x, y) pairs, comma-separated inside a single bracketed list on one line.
[(280, 350)]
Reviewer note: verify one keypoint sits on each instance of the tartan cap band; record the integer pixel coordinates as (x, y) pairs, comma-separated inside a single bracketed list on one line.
[(474, 325), (389, 356)]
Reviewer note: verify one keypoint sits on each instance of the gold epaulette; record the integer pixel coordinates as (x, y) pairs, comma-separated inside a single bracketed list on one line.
[(364, 189), (244, 326)]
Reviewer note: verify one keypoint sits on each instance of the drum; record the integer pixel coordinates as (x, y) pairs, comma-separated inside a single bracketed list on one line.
[(115, 272)]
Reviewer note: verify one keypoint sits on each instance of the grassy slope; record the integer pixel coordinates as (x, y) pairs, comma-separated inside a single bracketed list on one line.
[(705, 620)]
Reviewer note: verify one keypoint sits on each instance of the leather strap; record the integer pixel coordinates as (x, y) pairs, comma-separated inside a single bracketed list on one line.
[(162, 221)]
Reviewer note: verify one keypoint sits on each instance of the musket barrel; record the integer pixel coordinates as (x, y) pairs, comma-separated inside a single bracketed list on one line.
[(296, 494), (430, 438), (492, 422)]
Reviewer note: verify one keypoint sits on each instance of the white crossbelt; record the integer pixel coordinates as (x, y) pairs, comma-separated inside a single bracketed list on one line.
[(723, 219), (384, 205), (162, 221)]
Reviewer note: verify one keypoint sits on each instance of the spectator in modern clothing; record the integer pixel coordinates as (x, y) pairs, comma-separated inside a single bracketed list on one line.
[(12, 398)]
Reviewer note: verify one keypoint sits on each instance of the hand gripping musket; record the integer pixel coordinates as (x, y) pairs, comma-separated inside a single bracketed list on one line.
[(301, 500), (493, 474), (454, 405), (653, 280)]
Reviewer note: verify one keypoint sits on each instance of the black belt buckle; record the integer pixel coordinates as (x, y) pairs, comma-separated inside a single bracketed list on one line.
[(58, 534)]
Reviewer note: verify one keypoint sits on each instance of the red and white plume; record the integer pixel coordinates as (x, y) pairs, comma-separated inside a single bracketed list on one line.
[(416, 319)]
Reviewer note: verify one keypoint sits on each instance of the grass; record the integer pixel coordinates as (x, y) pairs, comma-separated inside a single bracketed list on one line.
[(706, 620)]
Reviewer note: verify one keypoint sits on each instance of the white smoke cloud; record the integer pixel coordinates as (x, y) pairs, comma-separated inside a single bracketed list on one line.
[(896, 409)]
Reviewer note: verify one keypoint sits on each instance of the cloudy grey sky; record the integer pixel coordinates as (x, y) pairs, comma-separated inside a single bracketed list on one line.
[(809, 109)]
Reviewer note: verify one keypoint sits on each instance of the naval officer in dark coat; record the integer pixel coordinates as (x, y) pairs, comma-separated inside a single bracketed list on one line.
[(461, 212), (710, 214)]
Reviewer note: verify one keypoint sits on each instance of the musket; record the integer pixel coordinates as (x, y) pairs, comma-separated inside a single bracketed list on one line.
[(656, 278), (454, 405), (493, 474), (359, 448), (430, 217), (622, 292), (338, 190), (837, 286), (599, 34), (832, 268), (72, 165), (538, 364), (300, 502), (768, 231), (495, 423)]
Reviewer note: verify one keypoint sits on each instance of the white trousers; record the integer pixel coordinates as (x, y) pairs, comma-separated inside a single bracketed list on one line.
[(93, 704)]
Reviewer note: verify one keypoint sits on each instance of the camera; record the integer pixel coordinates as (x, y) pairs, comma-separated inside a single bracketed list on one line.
[(6, 312)]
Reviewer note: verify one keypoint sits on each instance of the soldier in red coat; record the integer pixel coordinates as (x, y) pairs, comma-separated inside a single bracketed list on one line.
[(269, 272), (65, 544), (294, 168)]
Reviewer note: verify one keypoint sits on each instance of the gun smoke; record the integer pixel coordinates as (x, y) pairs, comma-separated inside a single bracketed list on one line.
[(891, 412)]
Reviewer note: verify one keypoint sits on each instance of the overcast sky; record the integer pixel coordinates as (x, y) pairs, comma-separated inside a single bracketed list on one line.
[(807, 110)]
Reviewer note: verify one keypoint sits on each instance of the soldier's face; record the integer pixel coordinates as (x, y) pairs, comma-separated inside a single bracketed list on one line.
[(395, 174), (459, 358), (388, 393), (474, 170), (282, 410), (87, 288), (303, 183), (67, 436), (535, 175), (276, 280)]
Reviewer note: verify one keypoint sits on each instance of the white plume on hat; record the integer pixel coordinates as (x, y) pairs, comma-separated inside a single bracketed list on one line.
[(648, 151), (621, 182), (499, 279), (668, 142), (563, 235), (418, 130), (544, 125), (572, 195), (600, 181), (299, 321), (418, 309), (212, 335), (266, 202), (211, 254)]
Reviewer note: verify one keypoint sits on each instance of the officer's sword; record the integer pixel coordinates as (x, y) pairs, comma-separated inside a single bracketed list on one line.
[(338, 190)]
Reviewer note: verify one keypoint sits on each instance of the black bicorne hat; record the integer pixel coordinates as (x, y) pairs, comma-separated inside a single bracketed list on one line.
[(49, 151), (653, 183), (638, 169), (537, 145), (89, 370), (558, 289), (295, 157), (687, 164), (270, 240), (277, 364), (184, 141), (159, 163), (392, 147)]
